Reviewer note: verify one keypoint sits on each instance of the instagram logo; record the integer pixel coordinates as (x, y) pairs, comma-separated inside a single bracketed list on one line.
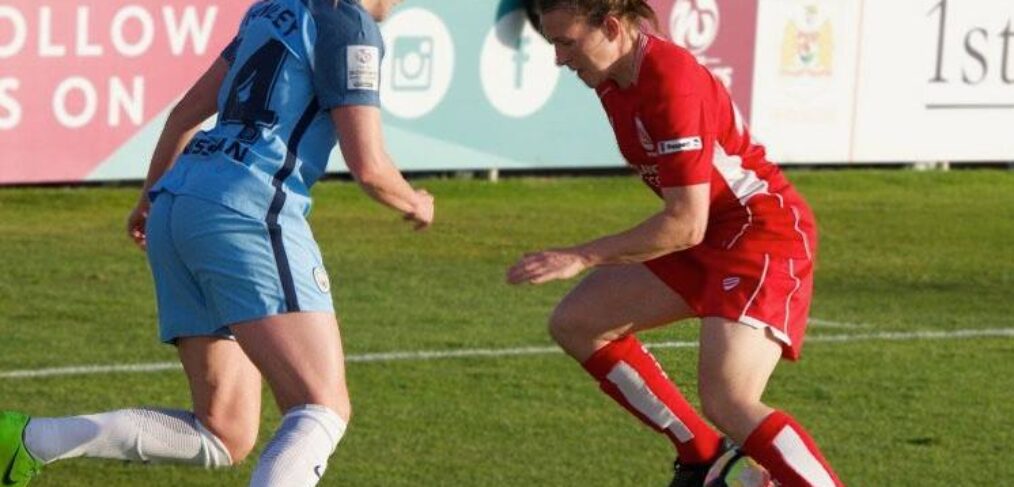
[(420, 63), (413, 63)]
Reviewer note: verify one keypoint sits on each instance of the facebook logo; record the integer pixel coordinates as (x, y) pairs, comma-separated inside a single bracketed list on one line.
[(520, 58), (517, 67)]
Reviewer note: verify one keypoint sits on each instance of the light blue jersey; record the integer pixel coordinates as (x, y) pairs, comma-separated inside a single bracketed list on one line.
[(291, 62), (228, 240)]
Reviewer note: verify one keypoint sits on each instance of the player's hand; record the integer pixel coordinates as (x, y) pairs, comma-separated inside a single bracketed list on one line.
[(422, 212), (545, 266), (136, 222)]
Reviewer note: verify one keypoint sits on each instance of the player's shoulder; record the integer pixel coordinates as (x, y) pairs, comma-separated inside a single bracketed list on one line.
[(670, 70), (342, 18)]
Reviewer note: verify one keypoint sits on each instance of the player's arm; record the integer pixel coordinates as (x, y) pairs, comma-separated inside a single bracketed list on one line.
[(346, 76), (361, 139), (680, 225), (678, 120), (199, 103)]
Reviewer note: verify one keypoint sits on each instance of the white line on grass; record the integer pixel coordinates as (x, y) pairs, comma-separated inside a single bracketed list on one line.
[(819, 323), (906, 336)]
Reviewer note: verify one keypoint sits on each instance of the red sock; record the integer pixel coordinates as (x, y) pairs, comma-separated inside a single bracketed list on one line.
[(632, 377), (782, 446)]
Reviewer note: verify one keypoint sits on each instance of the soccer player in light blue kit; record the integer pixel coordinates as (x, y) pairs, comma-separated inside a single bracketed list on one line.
[(240, 283)]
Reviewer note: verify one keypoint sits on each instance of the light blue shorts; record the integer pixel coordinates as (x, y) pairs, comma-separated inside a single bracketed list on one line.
[(215, 267)]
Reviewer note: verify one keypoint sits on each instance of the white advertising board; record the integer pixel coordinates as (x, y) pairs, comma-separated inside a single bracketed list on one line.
[(804, 79), (936, 81)]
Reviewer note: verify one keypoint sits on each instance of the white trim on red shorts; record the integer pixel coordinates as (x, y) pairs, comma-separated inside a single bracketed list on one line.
[(760, 325), (780, 334), (749, 221), (806, 241), (760, 283), (788, 299)]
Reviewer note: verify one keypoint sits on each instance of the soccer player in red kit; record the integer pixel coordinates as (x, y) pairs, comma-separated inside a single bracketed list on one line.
[(733, 245)]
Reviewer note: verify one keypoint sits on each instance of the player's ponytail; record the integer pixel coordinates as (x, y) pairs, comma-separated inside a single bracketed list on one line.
[(636, 12), (639, 11)]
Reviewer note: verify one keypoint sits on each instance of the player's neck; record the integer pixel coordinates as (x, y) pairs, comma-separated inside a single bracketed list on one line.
[(629, 63)]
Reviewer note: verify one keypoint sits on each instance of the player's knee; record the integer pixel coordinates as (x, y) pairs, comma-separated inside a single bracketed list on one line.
[(722, 405), (240, 445), (334, 397), (238, 436), (343, 407), (565, 324)]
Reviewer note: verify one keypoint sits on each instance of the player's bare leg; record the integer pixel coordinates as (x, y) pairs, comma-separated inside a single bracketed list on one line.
[(596, 322), (220, 431), (736, 362), (300, 355), (226, 390), (610, 303)]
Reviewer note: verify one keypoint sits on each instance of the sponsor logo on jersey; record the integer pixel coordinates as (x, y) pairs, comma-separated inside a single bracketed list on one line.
[(686, 144), (320, 277), (808, 44), (729, 283), (363, 66), (642, 135), (649, 173)]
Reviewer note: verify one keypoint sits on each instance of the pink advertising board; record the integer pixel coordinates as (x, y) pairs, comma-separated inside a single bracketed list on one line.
[(721, 33), (80, 79)]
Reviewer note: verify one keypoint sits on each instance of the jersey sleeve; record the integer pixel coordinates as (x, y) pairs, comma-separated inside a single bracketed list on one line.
[(229, 53), (231, 50), (685, 138), (347, 54)]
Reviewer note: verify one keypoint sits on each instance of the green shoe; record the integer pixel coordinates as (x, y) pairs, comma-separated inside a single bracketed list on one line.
[(16, 465)]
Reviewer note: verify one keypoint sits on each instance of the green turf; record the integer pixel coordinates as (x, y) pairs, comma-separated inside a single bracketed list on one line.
[(899, 251)]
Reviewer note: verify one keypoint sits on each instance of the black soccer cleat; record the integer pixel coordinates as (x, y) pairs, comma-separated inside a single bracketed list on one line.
[(689, 475), (693, 475)]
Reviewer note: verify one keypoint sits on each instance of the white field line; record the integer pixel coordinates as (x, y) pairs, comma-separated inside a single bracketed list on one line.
[(819, 323), (523, 351)]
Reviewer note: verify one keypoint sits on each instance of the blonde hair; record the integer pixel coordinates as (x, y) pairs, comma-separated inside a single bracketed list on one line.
[(635, 12)]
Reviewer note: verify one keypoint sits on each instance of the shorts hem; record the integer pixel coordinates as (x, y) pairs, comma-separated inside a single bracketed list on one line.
[(789, 351), (760, 325), (171, 339), (238, 320)]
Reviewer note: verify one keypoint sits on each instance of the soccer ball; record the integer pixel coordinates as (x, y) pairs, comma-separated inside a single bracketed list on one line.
[(735, 469)]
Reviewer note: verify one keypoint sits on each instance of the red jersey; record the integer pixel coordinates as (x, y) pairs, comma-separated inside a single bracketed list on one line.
[(676, 125)]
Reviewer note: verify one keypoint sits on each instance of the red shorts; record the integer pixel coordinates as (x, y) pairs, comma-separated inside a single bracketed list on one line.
[(756, 289)]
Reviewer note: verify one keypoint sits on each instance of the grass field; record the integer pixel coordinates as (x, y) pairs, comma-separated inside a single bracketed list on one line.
[(901, 252)]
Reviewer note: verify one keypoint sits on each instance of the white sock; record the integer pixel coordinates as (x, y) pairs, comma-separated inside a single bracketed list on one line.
[(139, 435), (297, 455)]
